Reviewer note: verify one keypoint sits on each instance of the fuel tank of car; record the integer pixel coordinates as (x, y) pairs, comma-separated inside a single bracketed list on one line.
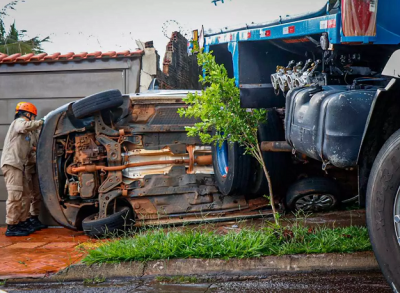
[(327, 123)]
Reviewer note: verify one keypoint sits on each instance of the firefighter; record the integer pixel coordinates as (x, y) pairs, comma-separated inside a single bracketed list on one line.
[(32, 203), (17, 147)]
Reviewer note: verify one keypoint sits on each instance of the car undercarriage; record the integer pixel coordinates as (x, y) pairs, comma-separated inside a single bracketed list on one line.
[(132, 157)]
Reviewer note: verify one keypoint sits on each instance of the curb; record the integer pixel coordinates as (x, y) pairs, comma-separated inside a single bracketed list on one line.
[(252, 266)]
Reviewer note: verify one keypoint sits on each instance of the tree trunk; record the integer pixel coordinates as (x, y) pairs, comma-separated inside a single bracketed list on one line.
[(271, 195)]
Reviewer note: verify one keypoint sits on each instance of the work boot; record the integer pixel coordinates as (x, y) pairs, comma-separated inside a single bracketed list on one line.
[(27, 226), (35, 223), (16, 230)]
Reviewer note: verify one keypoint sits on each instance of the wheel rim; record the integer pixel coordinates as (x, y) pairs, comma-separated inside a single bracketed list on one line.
[(222, 158), (315, 202), (396, 215)]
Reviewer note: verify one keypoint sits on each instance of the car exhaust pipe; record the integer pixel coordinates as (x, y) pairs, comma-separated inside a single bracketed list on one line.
[(201, 160), (275, 146)]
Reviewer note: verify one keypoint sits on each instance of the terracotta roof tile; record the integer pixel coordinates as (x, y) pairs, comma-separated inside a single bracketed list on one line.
[(66, 56), (70, 56), (94, 54), (2, 56), (53, 56), (123, 53), (39, 57), (109, 54), (25, 58), (11, 58), (80, 55)]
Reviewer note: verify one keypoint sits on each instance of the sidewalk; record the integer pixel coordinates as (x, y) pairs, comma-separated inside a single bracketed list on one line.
[(51, 250), (40, 254)]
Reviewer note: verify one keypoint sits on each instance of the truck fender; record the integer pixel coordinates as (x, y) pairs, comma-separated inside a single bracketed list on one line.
[(383, 120)]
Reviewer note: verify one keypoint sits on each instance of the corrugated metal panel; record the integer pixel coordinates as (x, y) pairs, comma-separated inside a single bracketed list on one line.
[(58, 84), (51, 85)]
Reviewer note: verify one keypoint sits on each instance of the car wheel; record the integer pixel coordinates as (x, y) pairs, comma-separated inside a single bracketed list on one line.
[(231, 168), (276, 162), (313, 195), (118, 221), (383, 210), (97, 102)]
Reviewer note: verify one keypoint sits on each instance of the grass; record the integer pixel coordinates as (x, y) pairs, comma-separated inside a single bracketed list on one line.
[(248, 242), (3, 282), (177, 279)]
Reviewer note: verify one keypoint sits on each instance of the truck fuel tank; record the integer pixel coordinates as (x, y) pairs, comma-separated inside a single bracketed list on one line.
[(327, 123)]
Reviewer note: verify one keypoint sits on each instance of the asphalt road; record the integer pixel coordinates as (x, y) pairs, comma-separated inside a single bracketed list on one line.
[(353, 282)]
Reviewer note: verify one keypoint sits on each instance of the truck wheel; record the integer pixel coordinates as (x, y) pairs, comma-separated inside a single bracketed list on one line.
[(313, 195), (231, 168), (113, 223), (276, 163), (383, 210), (97, 102)]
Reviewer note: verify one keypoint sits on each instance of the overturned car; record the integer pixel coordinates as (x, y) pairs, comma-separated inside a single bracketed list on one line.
[(109, 161)]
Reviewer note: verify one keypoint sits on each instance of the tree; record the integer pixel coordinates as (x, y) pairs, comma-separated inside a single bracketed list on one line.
[(14, 41), (218, 107)]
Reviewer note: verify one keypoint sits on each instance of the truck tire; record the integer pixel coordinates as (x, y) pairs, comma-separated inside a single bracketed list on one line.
[(382, 205), (276, 162), (97, 102), (231, 168), (313, 194), (109, 225)]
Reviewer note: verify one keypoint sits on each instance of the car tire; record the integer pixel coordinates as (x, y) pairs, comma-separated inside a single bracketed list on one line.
[(109, 225), (276, 162), (231, 168), (97, 102), (383, 187), (313, 195)]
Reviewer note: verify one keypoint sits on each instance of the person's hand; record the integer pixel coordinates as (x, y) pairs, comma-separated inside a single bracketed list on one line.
[(41, 121)]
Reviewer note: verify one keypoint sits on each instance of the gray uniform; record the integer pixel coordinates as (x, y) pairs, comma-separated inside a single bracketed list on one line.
[(17, 146)]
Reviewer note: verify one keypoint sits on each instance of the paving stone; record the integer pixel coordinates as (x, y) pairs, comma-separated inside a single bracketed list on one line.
[(41, 253), (55, 245), (26, 245), (5, 244)]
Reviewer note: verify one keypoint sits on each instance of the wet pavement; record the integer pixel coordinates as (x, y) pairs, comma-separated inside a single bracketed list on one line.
[(353, 282), (39, 254)]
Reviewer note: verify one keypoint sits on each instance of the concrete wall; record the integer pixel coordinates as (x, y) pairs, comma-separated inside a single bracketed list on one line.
[(50, 85)]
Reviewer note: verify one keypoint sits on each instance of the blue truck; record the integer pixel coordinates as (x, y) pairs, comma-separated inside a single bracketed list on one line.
[(331, 82)]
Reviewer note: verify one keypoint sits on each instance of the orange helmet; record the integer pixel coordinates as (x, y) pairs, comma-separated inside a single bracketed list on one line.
[(27, 107)]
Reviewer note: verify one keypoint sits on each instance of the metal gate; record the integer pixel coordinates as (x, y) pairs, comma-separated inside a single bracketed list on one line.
[(52, 81)]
